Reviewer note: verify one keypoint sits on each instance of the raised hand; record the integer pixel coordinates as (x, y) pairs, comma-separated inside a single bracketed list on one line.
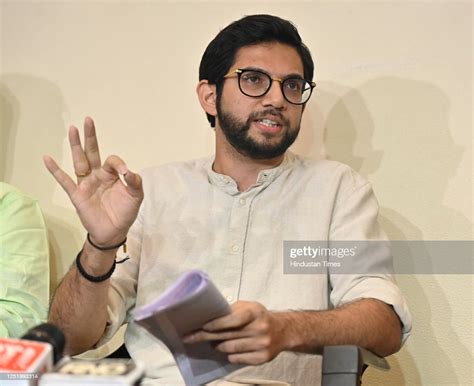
[(106, 205)]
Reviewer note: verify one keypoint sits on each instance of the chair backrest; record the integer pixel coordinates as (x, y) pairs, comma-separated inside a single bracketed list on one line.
[(344, 365)]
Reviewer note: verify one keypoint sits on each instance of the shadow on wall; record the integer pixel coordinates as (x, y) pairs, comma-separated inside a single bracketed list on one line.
[(8, 119), (418, 159), (411, 119), (31, 126)]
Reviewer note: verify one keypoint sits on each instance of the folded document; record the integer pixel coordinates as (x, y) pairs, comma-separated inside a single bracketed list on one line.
[(186, 306)]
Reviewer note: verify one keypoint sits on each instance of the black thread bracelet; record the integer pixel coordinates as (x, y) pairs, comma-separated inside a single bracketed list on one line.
[(96, 279), (124, 243)]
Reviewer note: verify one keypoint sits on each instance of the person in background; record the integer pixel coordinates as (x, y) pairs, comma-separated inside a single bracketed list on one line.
[(24, 263)]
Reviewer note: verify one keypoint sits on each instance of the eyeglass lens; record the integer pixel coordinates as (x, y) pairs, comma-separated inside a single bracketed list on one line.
[(256, 83)]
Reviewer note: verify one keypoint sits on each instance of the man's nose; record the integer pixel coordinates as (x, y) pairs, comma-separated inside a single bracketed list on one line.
[(274, 97)]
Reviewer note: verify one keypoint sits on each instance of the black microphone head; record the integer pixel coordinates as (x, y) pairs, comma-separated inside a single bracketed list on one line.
[(48, 333)]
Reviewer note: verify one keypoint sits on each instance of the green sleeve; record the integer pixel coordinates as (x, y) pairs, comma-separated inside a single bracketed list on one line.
[(24, 263)]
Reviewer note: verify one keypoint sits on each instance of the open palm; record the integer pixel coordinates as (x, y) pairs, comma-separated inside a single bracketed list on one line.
[(106, 205)]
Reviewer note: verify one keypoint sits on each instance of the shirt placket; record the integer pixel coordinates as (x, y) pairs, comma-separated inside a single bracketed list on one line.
[(235, 248)]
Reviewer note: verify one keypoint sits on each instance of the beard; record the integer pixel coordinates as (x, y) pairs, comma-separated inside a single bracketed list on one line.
[(237, 134)]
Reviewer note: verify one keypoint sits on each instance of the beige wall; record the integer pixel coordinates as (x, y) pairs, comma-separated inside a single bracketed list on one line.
[(394, 101)]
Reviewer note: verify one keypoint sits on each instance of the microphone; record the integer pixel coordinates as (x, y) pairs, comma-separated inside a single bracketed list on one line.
[(23, 360), (80, 372), (48, 333), (30, 360)]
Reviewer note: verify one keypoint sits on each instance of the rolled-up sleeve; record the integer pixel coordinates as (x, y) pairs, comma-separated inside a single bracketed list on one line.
[(370, 272)]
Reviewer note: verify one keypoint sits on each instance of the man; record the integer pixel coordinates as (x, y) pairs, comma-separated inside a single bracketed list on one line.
[(24, 263), (228, 215)]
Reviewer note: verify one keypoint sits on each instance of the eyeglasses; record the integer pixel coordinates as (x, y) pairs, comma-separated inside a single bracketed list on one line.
[(255, 83)]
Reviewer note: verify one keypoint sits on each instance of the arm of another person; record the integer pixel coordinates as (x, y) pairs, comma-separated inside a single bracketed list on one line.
[(24, 263), (107, 207)]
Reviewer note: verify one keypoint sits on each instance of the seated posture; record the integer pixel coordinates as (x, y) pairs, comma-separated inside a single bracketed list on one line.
[(24, 263), (228, 215)]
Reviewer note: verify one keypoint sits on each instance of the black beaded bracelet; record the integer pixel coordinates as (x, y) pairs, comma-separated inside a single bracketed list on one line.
[(96, 279), (108, 248)]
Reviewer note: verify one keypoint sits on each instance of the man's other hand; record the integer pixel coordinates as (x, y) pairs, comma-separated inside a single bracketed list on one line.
[(250, 334)]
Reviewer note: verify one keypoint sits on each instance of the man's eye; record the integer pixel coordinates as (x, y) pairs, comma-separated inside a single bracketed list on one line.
[(294, 84), (253, 78)]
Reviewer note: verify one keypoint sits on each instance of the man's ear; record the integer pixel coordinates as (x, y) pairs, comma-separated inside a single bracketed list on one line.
[(207, 96)]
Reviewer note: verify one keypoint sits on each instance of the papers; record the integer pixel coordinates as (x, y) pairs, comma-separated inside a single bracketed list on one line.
[(186, 306)]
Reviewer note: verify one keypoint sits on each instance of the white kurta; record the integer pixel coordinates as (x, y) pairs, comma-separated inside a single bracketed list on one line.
[(192, 217)]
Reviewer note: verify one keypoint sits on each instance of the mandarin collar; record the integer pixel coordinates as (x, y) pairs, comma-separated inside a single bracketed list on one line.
[(228, 185)]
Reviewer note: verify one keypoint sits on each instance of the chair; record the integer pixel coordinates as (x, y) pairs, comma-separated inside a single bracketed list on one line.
[(344, 365)]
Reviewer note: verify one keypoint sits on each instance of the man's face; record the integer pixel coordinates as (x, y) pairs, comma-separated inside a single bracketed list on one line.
[(262, 127)]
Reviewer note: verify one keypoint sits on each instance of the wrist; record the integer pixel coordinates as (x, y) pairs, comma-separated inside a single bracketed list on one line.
[(286, 330), (93, 278), (109, 246), (97, 265), (95, 261)]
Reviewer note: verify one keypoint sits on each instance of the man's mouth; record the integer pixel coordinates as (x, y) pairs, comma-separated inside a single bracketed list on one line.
[(268, 122), (267, 125)]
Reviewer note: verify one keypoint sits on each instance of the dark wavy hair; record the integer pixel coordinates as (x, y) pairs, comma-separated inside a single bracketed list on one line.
[(250, 30)]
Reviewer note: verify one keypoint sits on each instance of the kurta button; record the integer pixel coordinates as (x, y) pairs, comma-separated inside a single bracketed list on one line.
[(242, 201), (228, 298), (234, 248)]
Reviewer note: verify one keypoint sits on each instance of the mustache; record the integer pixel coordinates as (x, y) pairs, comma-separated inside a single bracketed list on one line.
[(265, 113)]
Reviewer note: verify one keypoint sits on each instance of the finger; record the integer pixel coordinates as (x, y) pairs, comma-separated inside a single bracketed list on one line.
[(251, 358), (79, 159), (201, 336), (63, 179), (237, 319), (134, 184), (91, 145), (243, 345), (115, 165)]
